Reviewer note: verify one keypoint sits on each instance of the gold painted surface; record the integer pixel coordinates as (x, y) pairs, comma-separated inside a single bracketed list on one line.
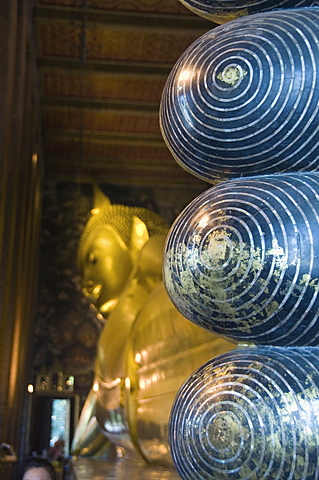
[(92, 469), (146, 349)]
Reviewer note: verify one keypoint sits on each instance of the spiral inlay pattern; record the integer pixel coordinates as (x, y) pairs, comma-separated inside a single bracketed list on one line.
[(213, 9), (242, 259), (249, 414), (243, 98)]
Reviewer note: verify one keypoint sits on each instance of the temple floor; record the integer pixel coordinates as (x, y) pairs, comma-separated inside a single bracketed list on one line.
[(91, 469)]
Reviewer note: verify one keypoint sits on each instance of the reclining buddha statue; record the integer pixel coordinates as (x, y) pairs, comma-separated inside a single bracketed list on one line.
[(146, 348)]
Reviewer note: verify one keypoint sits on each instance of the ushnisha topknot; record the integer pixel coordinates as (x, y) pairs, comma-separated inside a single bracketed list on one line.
[(120, 218)]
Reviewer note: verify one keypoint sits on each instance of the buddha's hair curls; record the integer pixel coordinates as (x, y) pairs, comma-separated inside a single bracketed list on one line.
[(120, 218)]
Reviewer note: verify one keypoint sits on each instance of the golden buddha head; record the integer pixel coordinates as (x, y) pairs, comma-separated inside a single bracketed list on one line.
[(110, 246)]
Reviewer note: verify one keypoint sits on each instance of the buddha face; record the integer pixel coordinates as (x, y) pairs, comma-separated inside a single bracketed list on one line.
[(106, 266)]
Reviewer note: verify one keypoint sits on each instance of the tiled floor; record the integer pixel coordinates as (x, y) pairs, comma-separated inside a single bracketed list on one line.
[(89, 469)]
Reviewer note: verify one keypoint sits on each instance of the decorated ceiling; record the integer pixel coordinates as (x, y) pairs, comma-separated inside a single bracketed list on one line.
[(102, 66)]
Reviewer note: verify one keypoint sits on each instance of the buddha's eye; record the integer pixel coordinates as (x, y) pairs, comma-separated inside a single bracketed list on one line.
[(92, 258)]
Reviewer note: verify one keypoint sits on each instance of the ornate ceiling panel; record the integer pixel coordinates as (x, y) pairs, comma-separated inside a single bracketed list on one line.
[(102, 67)]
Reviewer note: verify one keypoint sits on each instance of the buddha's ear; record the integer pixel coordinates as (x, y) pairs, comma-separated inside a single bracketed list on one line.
[(101, 201), (139, 235)]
